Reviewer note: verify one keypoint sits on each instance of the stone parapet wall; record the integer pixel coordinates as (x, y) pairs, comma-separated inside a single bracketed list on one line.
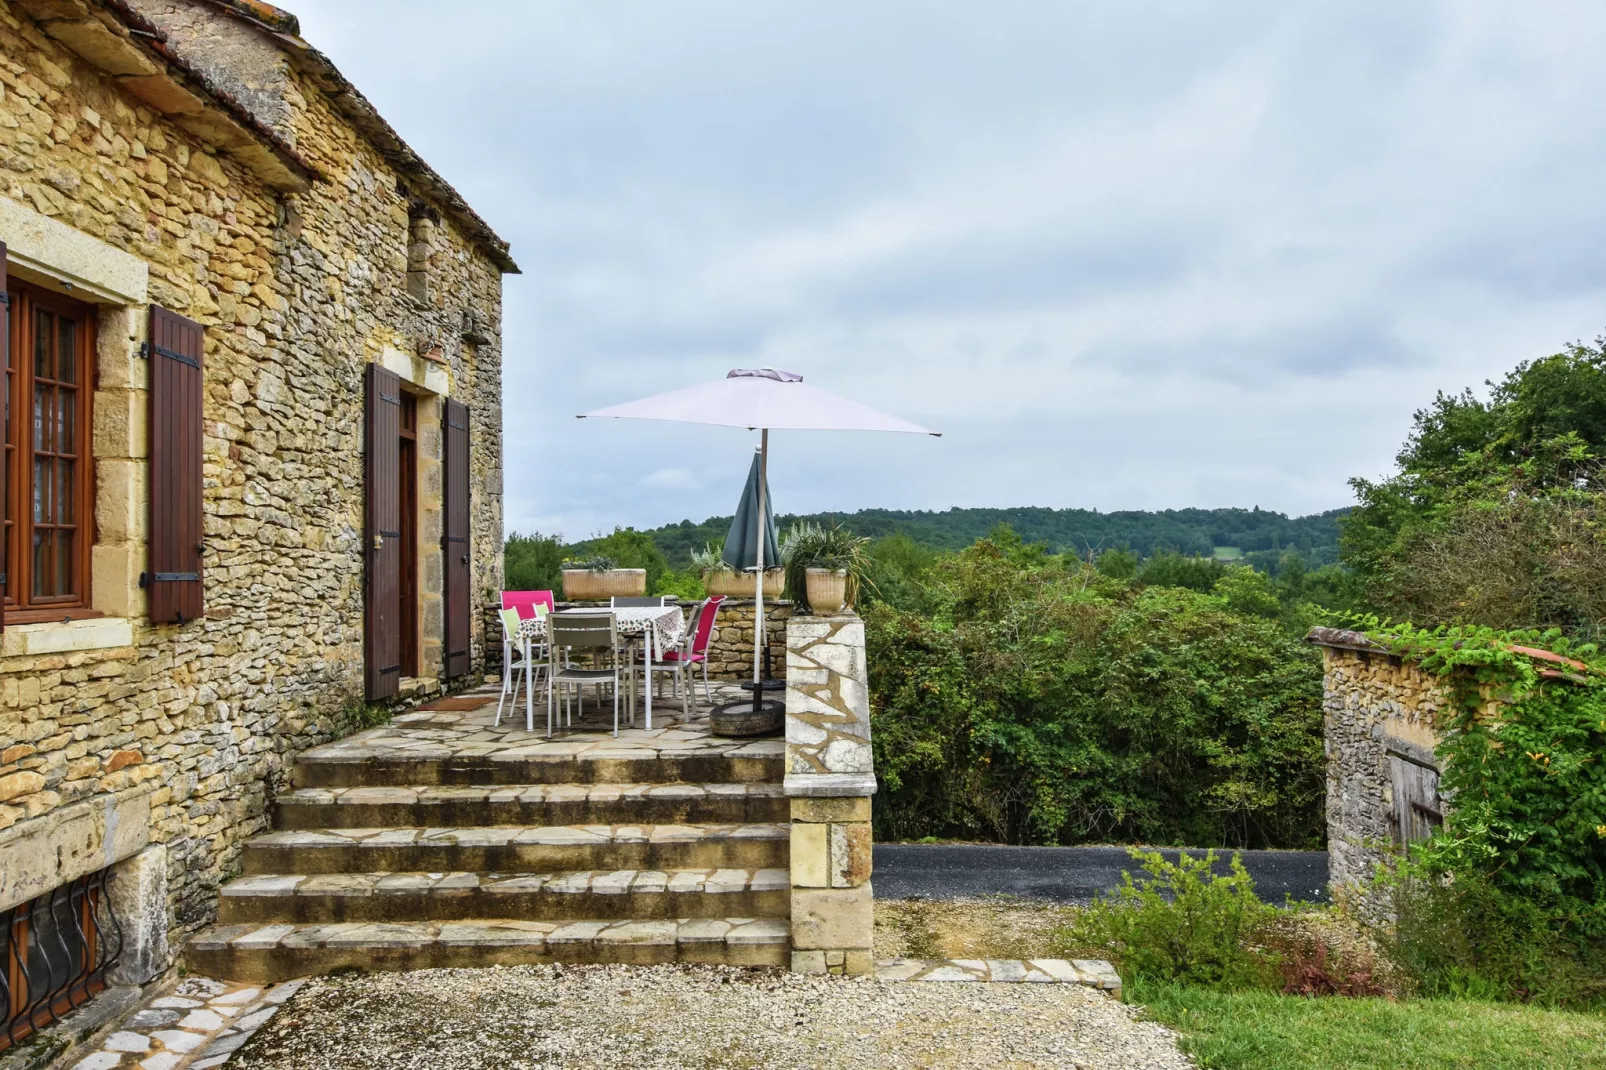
[(1374, 704), (830, 776), (297, 291)]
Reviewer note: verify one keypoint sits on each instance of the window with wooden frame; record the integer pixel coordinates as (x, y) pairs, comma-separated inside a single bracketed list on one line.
[(49, 511)]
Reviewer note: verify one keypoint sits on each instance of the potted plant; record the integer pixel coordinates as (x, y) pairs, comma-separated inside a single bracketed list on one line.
[(825, 567), (720, 578), (597, 579)]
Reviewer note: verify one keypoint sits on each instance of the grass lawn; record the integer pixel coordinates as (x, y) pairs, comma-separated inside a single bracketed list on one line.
[(1267, 1031), (1227, 553)]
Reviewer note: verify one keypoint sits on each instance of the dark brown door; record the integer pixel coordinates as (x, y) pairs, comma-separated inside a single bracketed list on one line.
[(5, 428), (455, 545), (382, 479), (409, 535), (174, 580)]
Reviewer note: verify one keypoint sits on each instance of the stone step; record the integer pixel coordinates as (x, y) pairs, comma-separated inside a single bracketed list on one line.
[(519, 849), (350, 765), (262, 953), (530, 804), (621, 894)]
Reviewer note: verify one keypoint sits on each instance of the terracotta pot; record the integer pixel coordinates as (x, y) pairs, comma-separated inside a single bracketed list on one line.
[(827, 590), (740, 584), (584, 585)]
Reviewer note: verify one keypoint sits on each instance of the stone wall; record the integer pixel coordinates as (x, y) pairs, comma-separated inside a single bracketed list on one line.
[(1376, 707), (298, 290)]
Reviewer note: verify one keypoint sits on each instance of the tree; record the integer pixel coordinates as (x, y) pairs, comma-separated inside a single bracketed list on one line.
[(1492, 515)]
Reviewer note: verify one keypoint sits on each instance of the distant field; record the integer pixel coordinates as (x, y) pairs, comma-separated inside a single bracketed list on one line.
[(1228, 553)]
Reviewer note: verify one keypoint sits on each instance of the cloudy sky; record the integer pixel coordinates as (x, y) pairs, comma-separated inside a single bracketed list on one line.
[(1124, 254)]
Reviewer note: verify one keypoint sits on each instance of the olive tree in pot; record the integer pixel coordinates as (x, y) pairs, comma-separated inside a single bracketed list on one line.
[(825, 567)]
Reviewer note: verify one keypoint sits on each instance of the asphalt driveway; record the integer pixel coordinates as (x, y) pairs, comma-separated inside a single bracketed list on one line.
[(1065, 874)]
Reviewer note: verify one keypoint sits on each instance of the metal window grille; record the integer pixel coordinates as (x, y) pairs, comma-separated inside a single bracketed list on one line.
[(55, 952)]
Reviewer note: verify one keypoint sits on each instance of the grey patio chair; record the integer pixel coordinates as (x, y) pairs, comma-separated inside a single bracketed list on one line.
[(576, 632)]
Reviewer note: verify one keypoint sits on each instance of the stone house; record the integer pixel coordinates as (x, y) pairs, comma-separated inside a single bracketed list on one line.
[(252, 461)]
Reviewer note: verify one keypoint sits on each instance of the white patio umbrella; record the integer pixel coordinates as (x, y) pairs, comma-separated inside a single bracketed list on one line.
[(760, 399)]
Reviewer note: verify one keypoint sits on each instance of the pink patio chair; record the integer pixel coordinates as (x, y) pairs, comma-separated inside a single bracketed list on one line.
[(694, 651), (526, 601)]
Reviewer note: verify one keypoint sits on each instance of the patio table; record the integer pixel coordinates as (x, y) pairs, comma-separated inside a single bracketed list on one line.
[(658, 627)]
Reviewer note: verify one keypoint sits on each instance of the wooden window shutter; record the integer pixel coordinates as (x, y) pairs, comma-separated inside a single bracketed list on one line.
[(382, 479), (5, 418), (1418, 810), (456, 543), (176, 533)]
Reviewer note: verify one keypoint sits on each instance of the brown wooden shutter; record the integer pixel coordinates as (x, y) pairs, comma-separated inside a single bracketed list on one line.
[(5, 418), (382, 478), (455, 546), (176, 533)]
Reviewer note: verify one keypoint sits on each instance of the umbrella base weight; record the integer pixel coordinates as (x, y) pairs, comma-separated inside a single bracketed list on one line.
[(764, 685), (745, 718)]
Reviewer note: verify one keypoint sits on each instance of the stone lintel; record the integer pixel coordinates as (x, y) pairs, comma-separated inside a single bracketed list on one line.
[(47, 851), (49, 252), (830, 785)]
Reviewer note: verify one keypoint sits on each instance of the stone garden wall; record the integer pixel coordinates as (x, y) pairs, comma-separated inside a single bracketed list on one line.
[(119, 736)]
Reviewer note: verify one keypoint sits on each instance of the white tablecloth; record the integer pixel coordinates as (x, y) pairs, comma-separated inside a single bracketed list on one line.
[(668, 625)]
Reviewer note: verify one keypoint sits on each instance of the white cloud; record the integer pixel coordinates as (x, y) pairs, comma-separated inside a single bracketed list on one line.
[(1139, 255)]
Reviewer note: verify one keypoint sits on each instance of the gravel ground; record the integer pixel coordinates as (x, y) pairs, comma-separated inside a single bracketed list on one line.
[(679, 1018)]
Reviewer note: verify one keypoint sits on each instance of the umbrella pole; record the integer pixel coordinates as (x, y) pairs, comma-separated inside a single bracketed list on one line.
[(758, 556)]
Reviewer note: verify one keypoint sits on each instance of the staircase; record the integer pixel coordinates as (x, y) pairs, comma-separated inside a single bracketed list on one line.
[(439, 841)]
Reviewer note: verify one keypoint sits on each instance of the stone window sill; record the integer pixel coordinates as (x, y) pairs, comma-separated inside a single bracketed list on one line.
[(100, 633)]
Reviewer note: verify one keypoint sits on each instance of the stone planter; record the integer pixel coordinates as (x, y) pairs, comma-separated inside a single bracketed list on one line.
[(584, 585), (740, 584), (827, 590)]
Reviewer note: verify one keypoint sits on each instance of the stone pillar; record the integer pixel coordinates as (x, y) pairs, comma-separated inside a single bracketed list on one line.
[(138, 898), (830, 776)]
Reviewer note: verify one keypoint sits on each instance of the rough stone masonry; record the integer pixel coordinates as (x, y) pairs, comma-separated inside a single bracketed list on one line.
[(830, 777), (201, 156)]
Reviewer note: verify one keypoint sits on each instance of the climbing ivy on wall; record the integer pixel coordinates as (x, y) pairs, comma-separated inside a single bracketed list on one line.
[(1524, 754)]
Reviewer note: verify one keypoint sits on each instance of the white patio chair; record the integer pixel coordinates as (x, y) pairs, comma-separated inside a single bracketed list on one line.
[(594, 632), (515, 644)]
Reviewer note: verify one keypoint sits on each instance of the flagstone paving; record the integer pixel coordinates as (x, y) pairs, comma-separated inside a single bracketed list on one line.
[(194, 1027)]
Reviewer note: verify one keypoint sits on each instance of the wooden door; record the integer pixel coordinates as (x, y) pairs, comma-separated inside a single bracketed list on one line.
[(455, 546), (1417, 808), (382, 545)]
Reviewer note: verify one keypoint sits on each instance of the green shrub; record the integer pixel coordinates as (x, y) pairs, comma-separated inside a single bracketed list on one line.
[(687, 586), (1030, 699), (1182, 923), (532, 562)]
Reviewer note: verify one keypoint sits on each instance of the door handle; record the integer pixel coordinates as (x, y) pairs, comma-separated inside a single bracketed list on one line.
[(379, 542)]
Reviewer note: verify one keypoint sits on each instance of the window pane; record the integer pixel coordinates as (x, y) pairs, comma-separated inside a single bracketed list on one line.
[(42, 337), (64, 495), (64, 557), (66, 405), (67, 350), (41, 409), (41, 490), (42, 571)]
